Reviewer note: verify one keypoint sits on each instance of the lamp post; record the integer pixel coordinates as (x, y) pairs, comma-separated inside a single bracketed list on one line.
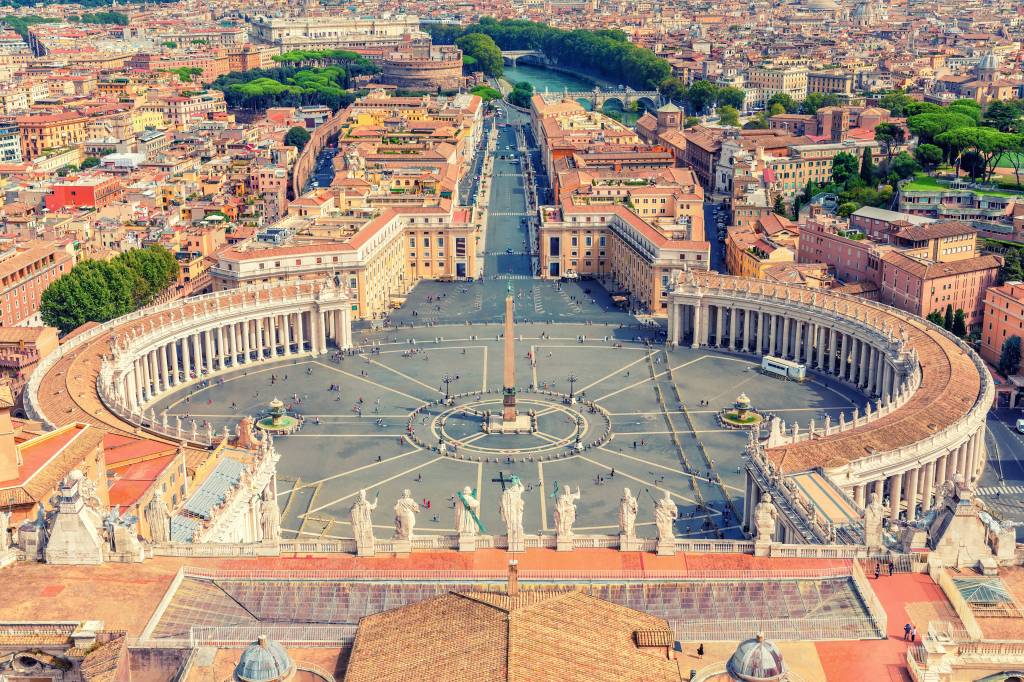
[(572, 379), (446, 380)]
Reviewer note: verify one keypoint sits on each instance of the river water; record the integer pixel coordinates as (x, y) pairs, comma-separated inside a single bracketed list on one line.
[(557, 81)]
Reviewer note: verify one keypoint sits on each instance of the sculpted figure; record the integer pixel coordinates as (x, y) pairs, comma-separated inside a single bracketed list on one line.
[(271, 518), (159, 519), (362, 521), (665, 514), (765, 516), (627, 514), (873, 522), (466, 512), (406, 509), (565, 511), (511, 507)]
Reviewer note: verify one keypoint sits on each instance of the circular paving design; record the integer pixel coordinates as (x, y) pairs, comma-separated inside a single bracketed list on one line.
[(560, 427)]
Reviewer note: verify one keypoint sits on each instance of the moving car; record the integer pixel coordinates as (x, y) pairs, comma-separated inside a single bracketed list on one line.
[(1020, 426)]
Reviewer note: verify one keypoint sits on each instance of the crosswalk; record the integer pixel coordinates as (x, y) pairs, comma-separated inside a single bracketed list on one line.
[(506, 253), (511, 213), (1003, 489)]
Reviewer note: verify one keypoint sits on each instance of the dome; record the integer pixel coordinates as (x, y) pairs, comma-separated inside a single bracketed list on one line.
[(757, 660), (989, 63), (264, 661)]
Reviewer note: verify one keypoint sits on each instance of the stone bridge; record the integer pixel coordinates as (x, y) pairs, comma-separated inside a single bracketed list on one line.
[(512, 57), (651, 99)]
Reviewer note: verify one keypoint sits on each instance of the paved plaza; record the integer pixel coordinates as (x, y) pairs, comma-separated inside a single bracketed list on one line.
[(661, 437)]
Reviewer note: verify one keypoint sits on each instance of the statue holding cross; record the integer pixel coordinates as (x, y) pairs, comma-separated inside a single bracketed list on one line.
[(467, 521), (511, 508)]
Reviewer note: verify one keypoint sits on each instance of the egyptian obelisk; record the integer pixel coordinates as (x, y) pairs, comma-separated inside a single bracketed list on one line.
[(508, 413)]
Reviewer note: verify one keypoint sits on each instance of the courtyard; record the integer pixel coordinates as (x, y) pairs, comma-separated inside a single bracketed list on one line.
[(645, 417)]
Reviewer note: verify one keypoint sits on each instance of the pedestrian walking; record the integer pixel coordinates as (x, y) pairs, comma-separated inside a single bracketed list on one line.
[(700, 651), (878, 570), (913, 633), (892, 568), (906, 632)]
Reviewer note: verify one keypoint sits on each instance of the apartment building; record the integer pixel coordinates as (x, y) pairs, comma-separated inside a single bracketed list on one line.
[(44, 132), (1003, 317), (25, 272)]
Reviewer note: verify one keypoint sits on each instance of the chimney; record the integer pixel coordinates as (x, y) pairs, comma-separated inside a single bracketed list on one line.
[(8, 449), (513, 578)]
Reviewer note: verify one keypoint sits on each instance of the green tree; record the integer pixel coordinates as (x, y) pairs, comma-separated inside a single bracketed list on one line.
[(521, 94), (297, 136), (1009, 356), (730, 96), (700, 96), (1007, 117), (890, 136), (729, 116), (844, 167), (867, 167), (673, 89), (485, 51), (776, 109), (789, 105), (846, 209), (818, 100), (947, 320), (90, 162), (929, 125), (928, 155), (486, 93), (896, 102), (903, 166), (935, 317), (780, 205), (959, 327)]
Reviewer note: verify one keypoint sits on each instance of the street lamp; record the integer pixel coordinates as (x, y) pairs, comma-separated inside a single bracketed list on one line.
[(447, 379), (572, 379)]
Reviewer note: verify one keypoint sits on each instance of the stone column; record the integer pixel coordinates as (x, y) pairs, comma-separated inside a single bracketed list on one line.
[(733, 312), (895, 492), (785, 336), (258, 322), (844, 351), (697, 323), (273, 335), (772, 323), (912, 493), (174, 363), (153, 378), (878, 486), (719, 326), (186, 357), (140, 383), (300, 332), (221, 347), (929, 484), (208, 345), (246, 341), (762, 326), (859, 494), (287, 333), (962, 464), (746, 329)]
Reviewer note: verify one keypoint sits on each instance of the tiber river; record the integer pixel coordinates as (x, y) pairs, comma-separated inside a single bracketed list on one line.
[(557, 81)]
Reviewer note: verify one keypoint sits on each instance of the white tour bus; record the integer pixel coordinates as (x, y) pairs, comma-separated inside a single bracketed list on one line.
[(785, 369)]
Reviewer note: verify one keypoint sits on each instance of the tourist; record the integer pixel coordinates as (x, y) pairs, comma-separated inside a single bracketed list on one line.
[(892, 567), (700, 651), (906, 632), (913, 633), (878, 570)]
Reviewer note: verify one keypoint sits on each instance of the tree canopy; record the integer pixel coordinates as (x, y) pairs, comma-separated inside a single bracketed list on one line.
[(297, 136), (98, 291), (521, 94), (293, 86), (486, 53), (1009, 356)]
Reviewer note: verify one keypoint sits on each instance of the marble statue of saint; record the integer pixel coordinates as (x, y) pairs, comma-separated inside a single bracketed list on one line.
[(627, 514), (665, 514), (406, 509), (271, 519), (765, 516), (362, 521), (565, 511), (5, 520), (873, 522), (467, 509), (511, 507), (159, 519)]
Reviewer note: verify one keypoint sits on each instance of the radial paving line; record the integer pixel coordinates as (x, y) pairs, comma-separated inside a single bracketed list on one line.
[(644, 381), (401, 374), (376, 483), (415, 449), (613, 373), (373, 383), (663, 489)]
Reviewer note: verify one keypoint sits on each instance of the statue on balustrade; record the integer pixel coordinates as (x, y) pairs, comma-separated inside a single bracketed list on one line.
[(511, 508), (406, 509), (159, 519), (665, 514), (627, 514), (271, 519), (765, 517), (565, 511), (873, 514), (467, 519), (361, 515)]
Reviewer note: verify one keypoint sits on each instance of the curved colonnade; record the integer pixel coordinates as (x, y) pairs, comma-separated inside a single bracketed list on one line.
[(109, 374), (931, 391)]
